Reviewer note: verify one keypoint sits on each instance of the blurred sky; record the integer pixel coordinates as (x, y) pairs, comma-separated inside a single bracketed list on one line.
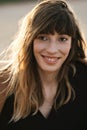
[(11, 13)]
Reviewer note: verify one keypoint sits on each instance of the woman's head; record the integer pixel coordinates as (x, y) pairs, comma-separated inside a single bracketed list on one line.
[(51, 16)]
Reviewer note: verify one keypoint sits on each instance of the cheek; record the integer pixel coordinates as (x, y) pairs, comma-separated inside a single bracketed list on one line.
[(67, 48), (37, 50), (38, 47)]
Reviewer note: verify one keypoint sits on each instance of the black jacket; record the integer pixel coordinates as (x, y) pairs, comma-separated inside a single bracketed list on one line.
[(72, 116)]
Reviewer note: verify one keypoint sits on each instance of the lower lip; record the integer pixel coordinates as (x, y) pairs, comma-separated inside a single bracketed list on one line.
[(51, 62)]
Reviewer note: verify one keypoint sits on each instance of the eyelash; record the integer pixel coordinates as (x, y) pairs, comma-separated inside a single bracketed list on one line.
[(63, 39), (44, 38)]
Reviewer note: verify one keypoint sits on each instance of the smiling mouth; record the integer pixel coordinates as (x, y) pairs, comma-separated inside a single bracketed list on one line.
[(51, 60)]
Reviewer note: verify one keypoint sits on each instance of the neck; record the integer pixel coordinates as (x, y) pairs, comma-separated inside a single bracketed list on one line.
[(48, 79), (50, 85)]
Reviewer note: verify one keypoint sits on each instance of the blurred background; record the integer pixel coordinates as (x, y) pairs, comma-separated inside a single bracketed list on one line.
[(11, 11)]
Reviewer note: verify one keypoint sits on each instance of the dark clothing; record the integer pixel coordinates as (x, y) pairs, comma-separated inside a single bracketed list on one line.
[(71, 116)]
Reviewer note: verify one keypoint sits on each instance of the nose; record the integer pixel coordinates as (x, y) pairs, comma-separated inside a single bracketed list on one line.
[(52, 47)]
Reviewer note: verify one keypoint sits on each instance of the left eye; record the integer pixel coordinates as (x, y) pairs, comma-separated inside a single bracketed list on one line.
[(63, 39)]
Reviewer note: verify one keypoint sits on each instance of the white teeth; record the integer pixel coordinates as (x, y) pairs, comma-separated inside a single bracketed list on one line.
[(51, 59)]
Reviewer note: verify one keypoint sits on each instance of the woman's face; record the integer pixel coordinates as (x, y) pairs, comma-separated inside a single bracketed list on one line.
[(51, 51)]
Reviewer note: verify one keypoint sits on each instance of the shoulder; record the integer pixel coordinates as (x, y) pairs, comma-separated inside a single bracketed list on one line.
[(81, 71), (81, 66), (79, 79), (9, 102), (7, 110)]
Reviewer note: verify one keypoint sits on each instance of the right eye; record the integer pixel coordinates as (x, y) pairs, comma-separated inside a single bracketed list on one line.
[(42, 37)]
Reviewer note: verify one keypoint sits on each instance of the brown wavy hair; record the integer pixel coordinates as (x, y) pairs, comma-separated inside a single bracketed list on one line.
[(18, 64)]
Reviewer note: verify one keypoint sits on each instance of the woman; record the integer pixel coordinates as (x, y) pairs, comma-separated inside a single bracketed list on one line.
[(43, 73)]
